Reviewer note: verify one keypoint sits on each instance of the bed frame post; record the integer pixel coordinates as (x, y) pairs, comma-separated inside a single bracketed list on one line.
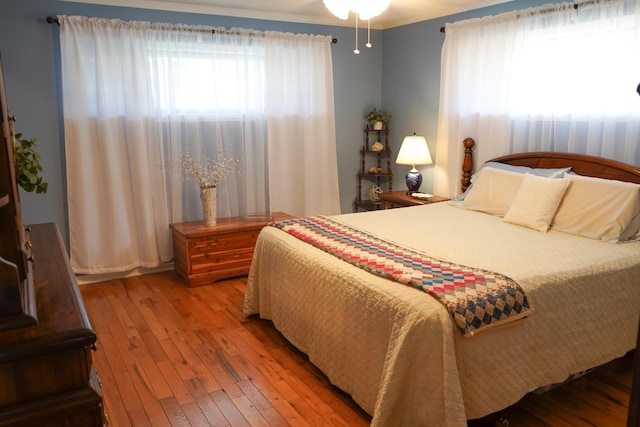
[(467, 163)]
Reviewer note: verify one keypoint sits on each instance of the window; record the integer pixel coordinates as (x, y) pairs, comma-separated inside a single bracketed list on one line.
[(582, 69), (551, 78), (209, 79)]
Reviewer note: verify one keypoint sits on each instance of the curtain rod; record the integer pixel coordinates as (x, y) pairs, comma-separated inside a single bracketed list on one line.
[(52, 20), (575, 6)]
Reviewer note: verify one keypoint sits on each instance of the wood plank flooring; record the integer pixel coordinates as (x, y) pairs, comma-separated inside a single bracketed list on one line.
[(169, 355)]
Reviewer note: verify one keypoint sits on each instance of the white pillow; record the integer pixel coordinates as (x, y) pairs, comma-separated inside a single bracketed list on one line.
[(599, 208), (536, 202), (493, 191), (545, 172)]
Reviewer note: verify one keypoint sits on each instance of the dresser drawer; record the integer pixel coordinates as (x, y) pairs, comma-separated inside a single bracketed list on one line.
[(80, 407), (38, 375)]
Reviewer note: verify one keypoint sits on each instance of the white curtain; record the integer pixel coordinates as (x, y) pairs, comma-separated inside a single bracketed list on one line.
[(552, 78), (300, 115), (136, 95)]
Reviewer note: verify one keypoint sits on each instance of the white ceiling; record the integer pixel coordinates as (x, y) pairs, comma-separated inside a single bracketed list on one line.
[(400, 12)]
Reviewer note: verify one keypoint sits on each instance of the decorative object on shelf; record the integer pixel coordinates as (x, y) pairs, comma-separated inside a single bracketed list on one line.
[(26, 161), (377, 118), (374, 193), (208, 175), (364, 10), (377, 146), (374, 169), (414, 151), (422, 196)]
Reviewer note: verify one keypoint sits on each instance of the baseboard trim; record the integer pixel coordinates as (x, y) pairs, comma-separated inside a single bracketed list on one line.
[(85, 279)]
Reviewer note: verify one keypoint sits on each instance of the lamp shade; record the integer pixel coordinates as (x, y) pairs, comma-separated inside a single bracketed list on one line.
[(414, 151)]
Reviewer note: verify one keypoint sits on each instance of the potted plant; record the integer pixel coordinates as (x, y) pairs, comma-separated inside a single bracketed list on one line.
[(377, 118), (26, 161)]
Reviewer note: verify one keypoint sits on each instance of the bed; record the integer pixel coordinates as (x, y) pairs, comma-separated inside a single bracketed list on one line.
[(400, 353)]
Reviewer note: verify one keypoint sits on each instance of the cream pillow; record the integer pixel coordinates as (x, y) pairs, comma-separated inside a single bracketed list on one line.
[(493, 191), (599, 208), (536, 202), (545, 172)]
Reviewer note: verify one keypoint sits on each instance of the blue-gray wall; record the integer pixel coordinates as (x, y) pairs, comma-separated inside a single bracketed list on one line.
[(401, 73)]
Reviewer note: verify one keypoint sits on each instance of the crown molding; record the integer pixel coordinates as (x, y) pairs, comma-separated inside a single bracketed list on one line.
[(383, 22)]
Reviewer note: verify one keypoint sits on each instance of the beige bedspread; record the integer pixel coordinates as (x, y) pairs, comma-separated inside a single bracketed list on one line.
[(395, 349)]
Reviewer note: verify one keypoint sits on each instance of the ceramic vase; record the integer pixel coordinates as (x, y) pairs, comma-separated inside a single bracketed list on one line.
[(208, 197)]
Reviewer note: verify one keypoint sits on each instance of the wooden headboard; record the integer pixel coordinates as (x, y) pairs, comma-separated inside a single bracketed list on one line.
[(581, 164)]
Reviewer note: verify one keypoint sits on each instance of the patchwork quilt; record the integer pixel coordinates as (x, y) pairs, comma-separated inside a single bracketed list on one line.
[(477, 299)]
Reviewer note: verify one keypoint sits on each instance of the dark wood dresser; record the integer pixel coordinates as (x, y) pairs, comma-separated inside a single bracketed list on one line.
[(46, 373)]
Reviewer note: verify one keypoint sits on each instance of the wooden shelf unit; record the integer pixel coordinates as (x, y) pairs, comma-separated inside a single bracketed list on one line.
[(379, 159), (17, 304)]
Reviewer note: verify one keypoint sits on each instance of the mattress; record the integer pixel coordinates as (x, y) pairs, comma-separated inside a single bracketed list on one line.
[(396, 350)]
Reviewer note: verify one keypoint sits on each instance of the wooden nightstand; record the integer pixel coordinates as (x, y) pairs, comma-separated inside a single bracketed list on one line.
[(400, 199), (204, 254)]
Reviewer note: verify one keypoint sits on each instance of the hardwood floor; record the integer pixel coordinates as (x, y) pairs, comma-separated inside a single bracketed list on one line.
[(169, 355)]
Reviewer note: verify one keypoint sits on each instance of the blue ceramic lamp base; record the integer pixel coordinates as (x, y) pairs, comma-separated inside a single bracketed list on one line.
[(413, 180)]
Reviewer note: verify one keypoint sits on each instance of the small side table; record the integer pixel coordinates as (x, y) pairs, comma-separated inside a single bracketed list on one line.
[(204, 255), (400, 199)]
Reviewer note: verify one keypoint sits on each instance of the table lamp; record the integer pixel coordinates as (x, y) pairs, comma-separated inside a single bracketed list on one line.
[(414, 151)]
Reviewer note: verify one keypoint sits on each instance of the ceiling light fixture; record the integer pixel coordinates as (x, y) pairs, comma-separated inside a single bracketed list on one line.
[(364, 9)]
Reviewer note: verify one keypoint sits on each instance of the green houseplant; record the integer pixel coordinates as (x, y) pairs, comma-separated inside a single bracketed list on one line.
[(26, 161), (377, 118)]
